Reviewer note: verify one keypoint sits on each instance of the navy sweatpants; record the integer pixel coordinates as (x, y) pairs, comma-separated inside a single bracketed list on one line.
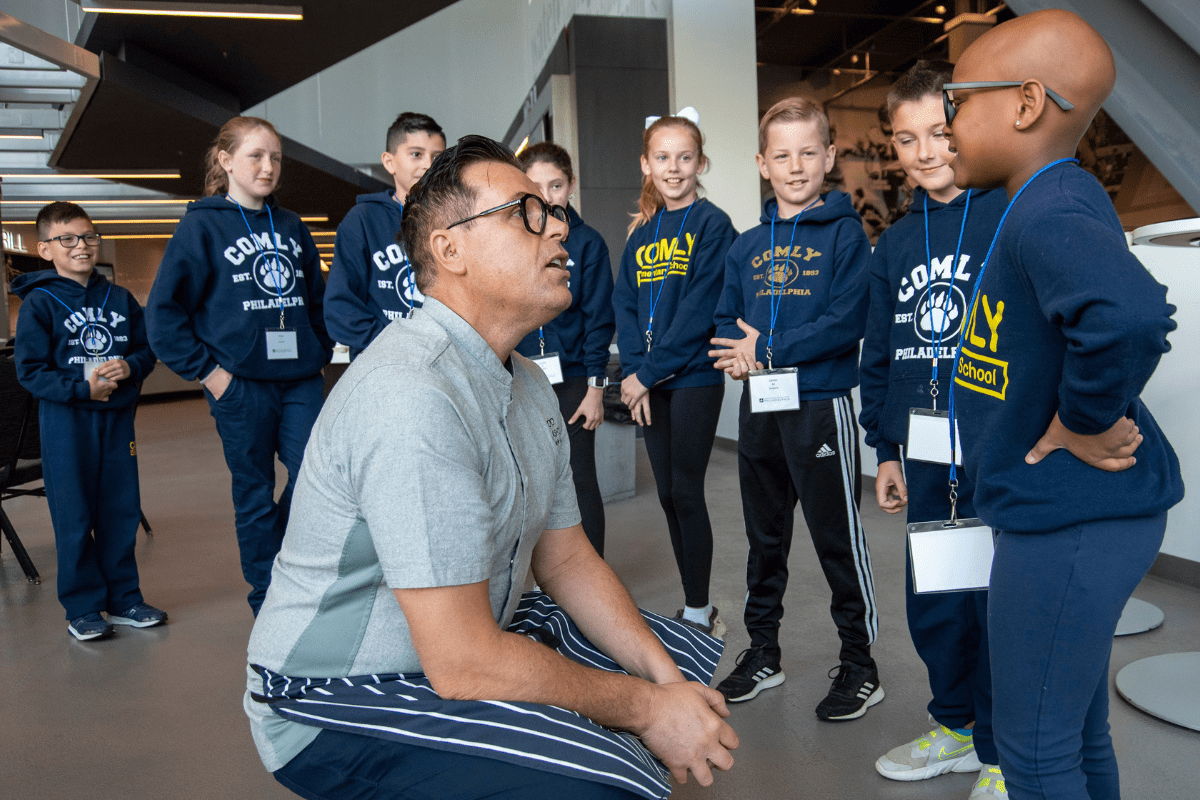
[(949, 629), (583, 460), (808, 455), (89, 462), (348, 765), (1056, 597), (256, 421)]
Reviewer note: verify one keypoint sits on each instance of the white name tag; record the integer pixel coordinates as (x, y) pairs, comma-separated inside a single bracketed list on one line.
[(774, 390), (550, 365), (89, 367), (281, 345), (951, 557), (929, 437)]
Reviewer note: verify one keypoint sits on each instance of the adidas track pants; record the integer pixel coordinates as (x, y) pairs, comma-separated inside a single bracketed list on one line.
[(809, 455)]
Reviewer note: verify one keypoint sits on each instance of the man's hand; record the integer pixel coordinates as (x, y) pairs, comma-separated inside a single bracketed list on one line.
[(890, 491), (591, 409), (1111, 451), (100, 388), (114, 370), (687, 732), (731, 349), (637, 397), (218, 382)]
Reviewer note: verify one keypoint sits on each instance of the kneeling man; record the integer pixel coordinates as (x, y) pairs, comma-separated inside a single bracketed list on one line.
[(394, 654)]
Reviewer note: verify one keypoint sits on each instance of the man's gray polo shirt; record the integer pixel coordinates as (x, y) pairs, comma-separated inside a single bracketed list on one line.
[(430, 465)]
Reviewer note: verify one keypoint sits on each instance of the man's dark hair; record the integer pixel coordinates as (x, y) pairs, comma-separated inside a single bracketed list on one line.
[(59, 211), (411, 122), (441, 197), (923, 79)]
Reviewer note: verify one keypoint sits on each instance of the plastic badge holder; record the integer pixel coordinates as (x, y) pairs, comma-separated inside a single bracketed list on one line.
[(929, 437), (951, 557)]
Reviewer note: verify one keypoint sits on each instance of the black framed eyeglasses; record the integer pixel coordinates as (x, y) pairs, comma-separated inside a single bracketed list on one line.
[(534, 212), (951, 110), (69, 240)]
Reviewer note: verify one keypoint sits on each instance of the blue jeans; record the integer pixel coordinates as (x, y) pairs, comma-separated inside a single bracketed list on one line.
[(1055, 601), (949, 629), (257, 420), (348, 765)]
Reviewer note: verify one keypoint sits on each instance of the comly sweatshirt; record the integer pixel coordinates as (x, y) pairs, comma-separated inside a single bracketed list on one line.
[(55, 339), (908, 303), (581, 334), (820, 288), (1067, 321), (687, 267), (217, 292), (370, 283)]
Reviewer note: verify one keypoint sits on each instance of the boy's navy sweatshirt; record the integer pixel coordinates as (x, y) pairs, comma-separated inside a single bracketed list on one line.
[(55, 339), (687, 267), (581, 334), (216, 293), (820, 288), (370, 283), (1067, 321), (907, 294)]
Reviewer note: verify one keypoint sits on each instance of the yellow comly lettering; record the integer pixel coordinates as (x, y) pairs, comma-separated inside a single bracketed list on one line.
[(781, 251), (640, 255), (993, 321), (811, 255)]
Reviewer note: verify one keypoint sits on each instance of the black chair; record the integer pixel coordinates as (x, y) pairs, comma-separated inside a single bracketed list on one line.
[(20, 453)]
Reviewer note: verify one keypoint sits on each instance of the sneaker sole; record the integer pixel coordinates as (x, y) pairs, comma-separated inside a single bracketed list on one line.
[(875, 698), (134, 623), (766, 683), (967, 763), (86, 637)]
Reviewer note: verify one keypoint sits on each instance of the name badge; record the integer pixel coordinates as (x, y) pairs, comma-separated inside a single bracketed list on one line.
[(951, 556), (929, 437), (774, 390), (281, 345), (551, 365), (89, 367)]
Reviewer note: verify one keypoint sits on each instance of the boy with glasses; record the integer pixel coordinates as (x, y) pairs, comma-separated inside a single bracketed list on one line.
[(81, 349)]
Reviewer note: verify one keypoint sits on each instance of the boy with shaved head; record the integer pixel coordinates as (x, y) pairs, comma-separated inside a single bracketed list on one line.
[(1065, 329)]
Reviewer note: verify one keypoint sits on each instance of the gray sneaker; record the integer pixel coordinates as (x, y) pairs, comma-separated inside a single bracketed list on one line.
[(990, 785), (936, 753)]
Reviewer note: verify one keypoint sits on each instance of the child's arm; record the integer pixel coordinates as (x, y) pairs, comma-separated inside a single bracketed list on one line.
[(1115, 319), (731, 309), (348, 318), (314, 285), (179, 290), (890, 490), (595, 303), (139, 358), (841, 326), (34, 352), (876, 363), (630, 343)]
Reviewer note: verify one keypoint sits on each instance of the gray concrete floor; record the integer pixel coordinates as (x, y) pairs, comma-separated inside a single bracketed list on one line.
[(157, 713)]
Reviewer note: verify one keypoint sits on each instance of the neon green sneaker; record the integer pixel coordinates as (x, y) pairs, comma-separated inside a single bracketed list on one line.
[(936, 753), (989, 785)]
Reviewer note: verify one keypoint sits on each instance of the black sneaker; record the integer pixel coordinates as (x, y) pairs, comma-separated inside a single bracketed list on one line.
[(854, 690), (715, 626), (757, 669), (89, 626)]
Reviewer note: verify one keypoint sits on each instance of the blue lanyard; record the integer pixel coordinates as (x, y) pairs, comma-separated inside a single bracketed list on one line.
[(412, 287), (654, 300), (541, 340), (87, 324), (970, 318), (776, 300), (946, 301), (277, 271)]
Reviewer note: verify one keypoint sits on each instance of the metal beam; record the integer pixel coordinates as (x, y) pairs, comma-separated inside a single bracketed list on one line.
[(57, 51), (41, 79), (39, 97)]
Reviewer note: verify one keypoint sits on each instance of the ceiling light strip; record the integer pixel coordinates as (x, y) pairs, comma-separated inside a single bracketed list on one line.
[(107, 176), (207, 10)]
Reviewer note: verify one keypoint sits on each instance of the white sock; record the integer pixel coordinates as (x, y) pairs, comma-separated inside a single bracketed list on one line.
[(697, 615)]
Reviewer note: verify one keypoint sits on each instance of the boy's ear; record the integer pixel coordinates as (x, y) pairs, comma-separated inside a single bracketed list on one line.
[(761, 161), (1033, 103), (44, 251), (830, 158), (389, 162)]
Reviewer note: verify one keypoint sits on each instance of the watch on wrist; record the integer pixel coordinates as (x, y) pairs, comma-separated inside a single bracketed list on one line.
[(598, 383)]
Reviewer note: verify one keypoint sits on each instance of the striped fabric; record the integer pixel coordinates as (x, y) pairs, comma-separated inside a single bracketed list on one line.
[(405, 708)]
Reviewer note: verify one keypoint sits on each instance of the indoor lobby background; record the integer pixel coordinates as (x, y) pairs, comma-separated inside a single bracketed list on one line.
[(157, 713)]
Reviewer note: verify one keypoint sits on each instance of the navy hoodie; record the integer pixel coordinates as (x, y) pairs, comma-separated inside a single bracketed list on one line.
[(581, 334), (897, 352), (370, 283), (1067, 321), (216, 295), (687, 267), (821, 289), (53, 342)]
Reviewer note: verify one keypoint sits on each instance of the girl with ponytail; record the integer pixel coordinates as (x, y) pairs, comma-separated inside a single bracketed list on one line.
[(237, 304), (665, 296)]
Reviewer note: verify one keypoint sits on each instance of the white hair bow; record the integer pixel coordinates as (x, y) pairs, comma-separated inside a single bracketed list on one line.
[(688, 113)]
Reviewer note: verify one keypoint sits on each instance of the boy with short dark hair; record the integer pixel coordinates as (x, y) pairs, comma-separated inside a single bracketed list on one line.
[(920, 276), (81, 349), (370, 282), (795, 298)]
